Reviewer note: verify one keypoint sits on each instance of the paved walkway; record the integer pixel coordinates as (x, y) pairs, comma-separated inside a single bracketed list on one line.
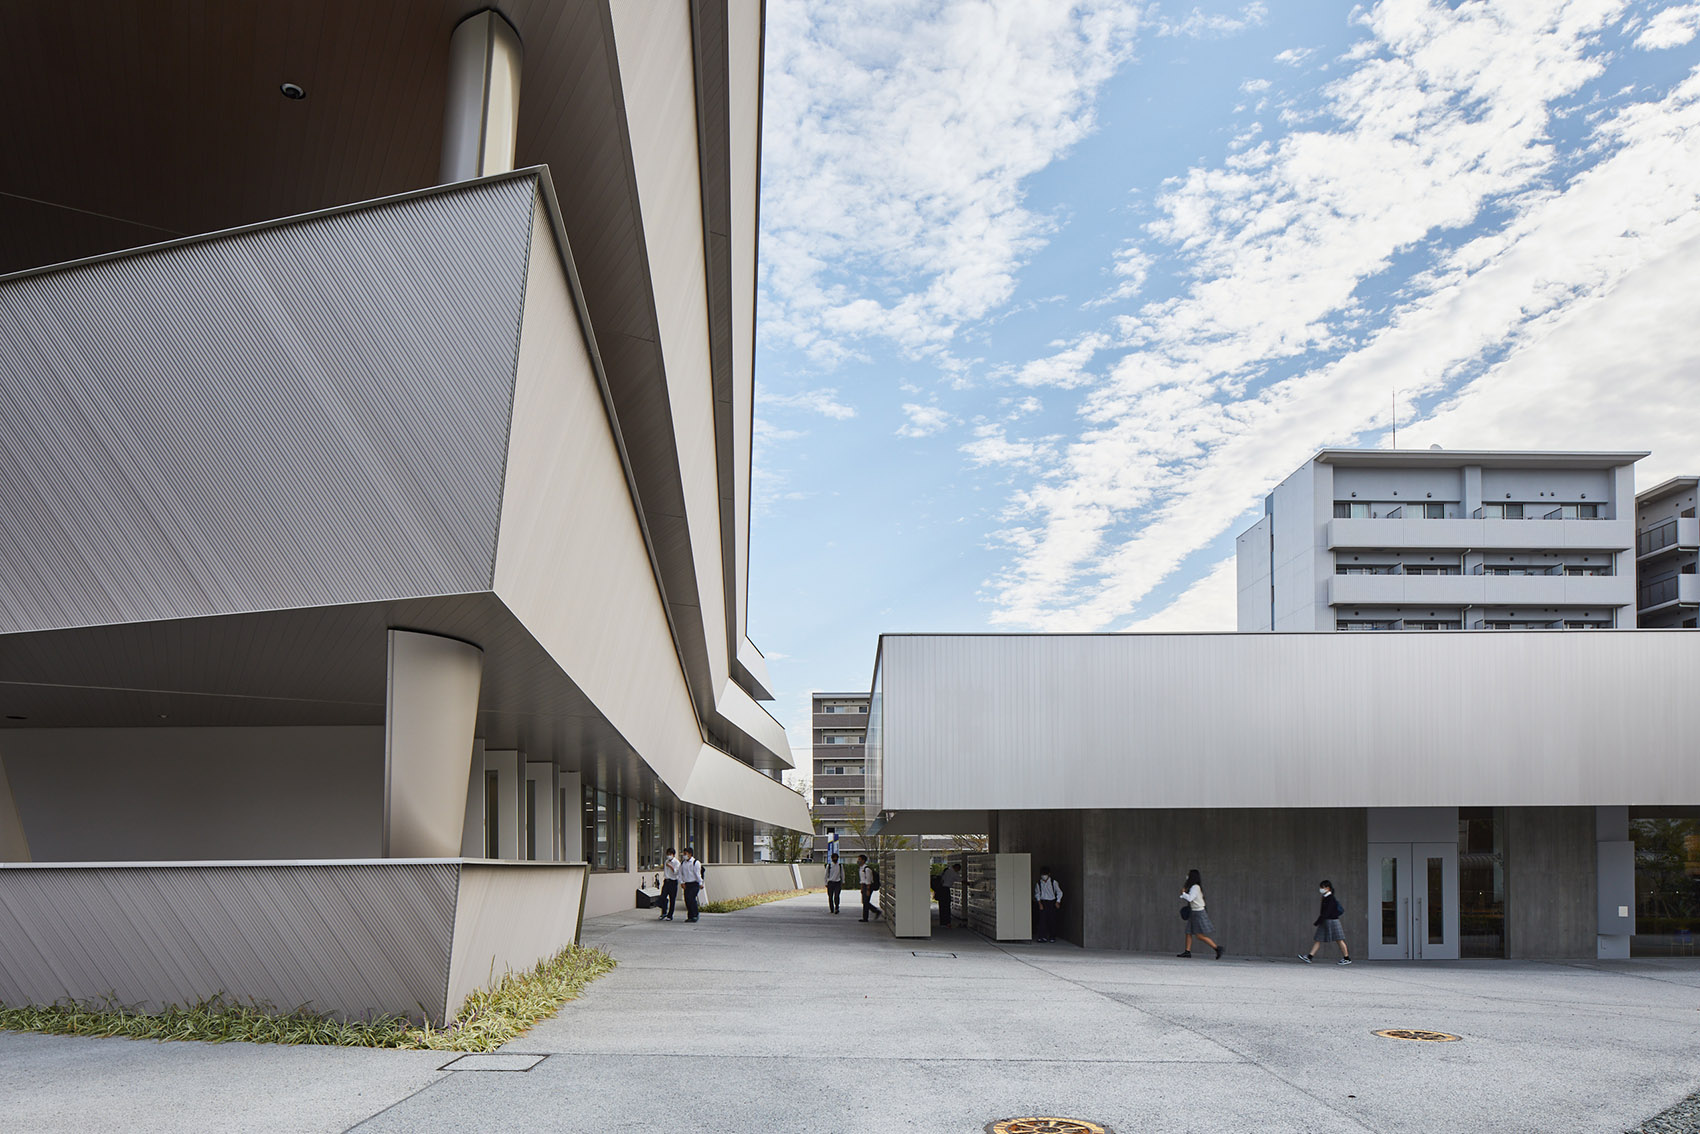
[(783, 1018)]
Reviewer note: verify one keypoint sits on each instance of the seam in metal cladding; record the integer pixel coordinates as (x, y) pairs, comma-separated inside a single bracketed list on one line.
[(304, 413)]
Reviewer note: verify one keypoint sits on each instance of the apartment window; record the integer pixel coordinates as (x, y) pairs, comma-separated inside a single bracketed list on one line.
[(1367, 624), (604, 829), (841, 800), (1350, 510), (844, 738), (1426, 511), (844, 708), (844, 770), (1432, 569), (1434, 624), (1502, 511), (1579, 511), (1575, 571)]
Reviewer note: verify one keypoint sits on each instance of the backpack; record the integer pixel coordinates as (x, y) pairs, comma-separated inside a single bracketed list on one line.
[(874, 871)]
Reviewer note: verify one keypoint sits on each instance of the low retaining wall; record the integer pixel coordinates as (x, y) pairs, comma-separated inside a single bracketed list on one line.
[(355, 939)]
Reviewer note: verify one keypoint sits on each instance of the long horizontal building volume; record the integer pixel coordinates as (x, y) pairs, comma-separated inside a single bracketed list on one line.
[(1469, 794), (375, 416)]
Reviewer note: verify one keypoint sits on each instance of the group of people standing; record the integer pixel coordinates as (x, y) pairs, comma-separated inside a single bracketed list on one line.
[(867, 878), (677, 872)]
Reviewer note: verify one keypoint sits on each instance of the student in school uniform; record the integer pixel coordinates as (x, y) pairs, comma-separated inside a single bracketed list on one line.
[(690, 877), (1328, 925), (669, 885), (1197, 921), (834, 882), (1049, 896)]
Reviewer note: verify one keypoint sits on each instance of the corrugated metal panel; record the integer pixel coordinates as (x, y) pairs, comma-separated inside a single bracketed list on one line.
[(1285, 720), (302, 414), (356, 939)]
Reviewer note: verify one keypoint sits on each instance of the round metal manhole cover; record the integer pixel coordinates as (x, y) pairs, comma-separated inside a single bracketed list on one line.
[(1042, 1125), (1418, 1034)]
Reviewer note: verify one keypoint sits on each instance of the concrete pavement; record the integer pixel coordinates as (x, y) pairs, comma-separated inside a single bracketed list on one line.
[(785, 1018)]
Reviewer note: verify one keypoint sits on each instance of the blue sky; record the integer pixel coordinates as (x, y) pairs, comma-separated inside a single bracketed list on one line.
[(1052, 294)]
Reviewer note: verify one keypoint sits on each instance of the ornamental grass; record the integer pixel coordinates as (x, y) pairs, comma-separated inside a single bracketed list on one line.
[(488, 1019)]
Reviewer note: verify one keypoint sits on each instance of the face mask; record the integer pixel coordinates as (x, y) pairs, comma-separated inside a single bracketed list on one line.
[(1324, 893)]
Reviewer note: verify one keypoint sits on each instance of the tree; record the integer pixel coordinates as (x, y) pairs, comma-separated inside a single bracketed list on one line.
[(787, 845), (877, 846)]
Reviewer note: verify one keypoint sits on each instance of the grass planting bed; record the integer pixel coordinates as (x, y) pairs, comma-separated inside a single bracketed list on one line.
[(490, 1017)]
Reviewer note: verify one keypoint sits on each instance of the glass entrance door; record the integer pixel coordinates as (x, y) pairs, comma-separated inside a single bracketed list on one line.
[(1413, 901)]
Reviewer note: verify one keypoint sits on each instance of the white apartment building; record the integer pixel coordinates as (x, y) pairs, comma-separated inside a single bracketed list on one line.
[(1432, 539), (1667, 547)]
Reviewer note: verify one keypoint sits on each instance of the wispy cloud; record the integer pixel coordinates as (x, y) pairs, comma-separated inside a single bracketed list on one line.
[(1294, 324), (924, 420), (1200, 24), (897, 139), (1672, 27), (824, 402)]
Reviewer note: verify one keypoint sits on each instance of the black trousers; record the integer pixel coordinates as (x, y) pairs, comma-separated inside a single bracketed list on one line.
[(691, 890), (669, 896), (868, 903), (833, 889), (942, 893), (1049, 915)]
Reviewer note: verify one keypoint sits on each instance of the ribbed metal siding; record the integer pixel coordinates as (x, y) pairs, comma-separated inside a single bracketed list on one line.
[(356, 939), (303, 414), (1286, 720)]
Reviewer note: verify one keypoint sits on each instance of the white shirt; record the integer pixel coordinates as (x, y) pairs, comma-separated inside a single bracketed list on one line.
[(690, 870), (1195, 895), (865, 876), (835, 872), (1047, 891), (950, 876), (670, 869)]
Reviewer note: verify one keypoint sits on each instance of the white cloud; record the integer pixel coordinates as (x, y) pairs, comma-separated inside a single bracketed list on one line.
[(1203, 25), (1066, 368), (1446, 119), (1209, 604), (897, 138), (824, 402), (924, 421), (1255, 86), (992, 446), (1672, 27), (1295, 56)]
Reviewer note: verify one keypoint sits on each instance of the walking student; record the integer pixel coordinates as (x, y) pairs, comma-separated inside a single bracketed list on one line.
[(690, 875), (834, 882), (669, 885), (1197, 921), (943, 884), (1328, 924), (865, 878), (1049, 896)]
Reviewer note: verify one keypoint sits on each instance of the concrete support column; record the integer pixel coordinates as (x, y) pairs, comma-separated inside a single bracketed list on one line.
[(481, 114), (1616, 857), (430, 712), (14, 846)]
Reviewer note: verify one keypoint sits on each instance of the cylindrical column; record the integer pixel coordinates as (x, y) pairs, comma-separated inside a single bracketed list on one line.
[(481, 114), (430, 713)]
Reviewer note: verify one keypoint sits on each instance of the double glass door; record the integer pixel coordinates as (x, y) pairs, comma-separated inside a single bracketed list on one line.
[(1413, 908)]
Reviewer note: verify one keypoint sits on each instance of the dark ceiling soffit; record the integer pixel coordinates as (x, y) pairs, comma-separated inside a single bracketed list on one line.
[(670, 482)]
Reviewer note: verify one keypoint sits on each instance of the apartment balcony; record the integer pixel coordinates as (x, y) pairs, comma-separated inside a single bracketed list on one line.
[(1481, 590), (1674, 535), (1679, 590), (835, 784), (830, 753), (1537, 534), (840, 720)]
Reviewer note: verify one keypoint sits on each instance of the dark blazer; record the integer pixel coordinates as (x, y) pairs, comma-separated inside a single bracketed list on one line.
[(1331, 909)]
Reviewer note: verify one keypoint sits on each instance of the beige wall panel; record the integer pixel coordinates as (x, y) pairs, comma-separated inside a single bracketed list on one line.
[(657, 75), (431, 708), (1015, 722), (509, 917), (744, 49), (570, 558), (163, 794), (724, 784), (742, 711)]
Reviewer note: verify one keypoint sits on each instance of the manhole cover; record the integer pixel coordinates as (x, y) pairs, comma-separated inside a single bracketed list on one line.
[(1045, 1126), (1418, 1034)]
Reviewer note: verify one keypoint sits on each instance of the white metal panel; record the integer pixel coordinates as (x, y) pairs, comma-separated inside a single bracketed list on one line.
[(1287, 720)]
